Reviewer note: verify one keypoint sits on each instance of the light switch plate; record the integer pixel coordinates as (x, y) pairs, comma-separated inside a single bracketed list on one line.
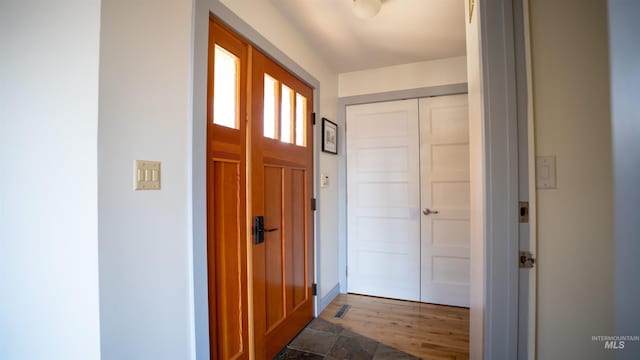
[(546, 172), (324, 180), (146, 175)]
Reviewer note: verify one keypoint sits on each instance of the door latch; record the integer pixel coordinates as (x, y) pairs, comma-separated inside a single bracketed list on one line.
[(259, 230), (526, 259)]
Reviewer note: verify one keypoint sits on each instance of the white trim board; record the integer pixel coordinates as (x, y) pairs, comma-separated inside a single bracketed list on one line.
[(499, 139), (327, 299)]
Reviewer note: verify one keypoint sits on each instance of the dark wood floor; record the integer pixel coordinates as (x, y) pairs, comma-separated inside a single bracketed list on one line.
[(425, 330)]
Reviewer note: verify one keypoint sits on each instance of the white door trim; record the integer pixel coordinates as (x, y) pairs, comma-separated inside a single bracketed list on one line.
[(497, 111), (528, 232)]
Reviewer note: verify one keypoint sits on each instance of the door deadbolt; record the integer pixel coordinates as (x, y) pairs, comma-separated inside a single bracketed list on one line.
[(259, 230)]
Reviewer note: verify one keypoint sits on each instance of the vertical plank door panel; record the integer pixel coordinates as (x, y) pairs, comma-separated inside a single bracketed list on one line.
[(290, 294), (226, 205)]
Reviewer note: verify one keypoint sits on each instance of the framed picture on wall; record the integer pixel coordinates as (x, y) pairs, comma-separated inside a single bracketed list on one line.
[(329, 136)]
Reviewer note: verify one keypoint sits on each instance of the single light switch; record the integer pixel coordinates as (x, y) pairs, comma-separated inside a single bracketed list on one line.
[(146, 175), (546, 172), (324, 180)]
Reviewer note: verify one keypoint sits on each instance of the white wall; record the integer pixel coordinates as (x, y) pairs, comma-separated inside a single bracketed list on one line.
[(266, 19), (48, 182), (625, 87), (145, 244), (402, 77), (575, 221)]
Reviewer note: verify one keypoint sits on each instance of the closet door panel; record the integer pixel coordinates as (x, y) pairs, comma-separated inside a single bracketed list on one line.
[(383, 200), (444, 176)]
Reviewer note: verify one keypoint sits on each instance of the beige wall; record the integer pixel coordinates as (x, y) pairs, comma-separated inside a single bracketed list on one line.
[(575, 231), (402, 77)]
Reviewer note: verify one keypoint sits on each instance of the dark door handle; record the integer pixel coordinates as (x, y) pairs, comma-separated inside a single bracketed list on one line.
[(429, 211), (259, 230)]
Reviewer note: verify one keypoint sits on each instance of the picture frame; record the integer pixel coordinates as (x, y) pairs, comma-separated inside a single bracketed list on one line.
[(329, 136)]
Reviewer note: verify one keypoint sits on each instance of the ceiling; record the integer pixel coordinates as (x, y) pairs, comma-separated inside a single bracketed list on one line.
[(404, 31)]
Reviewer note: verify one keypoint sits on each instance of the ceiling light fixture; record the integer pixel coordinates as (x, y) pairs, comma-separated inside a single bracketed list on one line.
[(366, 9)]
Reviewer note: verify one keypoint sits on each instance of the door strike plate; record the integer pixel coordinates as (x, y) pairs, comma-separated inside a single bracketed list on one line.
[(523, 212), (526, 259)]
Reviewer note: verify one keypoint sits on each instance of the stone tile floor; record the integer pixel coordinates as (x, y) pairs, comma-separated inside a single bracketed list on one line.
[(323, 340)]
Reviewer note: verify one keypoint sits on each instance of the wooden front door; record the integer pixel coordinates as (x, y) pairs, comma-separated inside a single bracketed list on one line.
[(259, 163), (282, 188), (226, 194)]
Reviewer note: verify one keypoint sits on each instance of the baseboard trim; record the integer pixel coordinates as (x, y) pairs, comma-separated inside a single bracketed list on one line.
[(327, 299)]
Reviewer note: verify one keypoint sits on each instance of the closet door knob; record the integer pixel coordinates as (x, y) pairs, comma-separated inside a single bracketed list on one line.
[(429, 211)]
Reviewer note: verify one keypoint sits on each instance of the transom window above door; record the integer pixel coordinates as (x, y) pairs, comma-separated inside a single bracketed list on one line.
[(285, 112)]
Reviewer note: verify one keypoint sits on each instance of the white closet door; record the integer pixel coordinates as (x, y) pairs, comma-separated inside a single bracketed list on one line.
[(383, 194), (444, 157)]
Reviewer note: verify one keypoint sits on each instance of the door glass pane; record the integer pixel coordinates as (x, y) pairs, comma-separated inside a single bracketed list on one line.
[(269, 118), (301, 119), (286, 110), (225, 88)]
